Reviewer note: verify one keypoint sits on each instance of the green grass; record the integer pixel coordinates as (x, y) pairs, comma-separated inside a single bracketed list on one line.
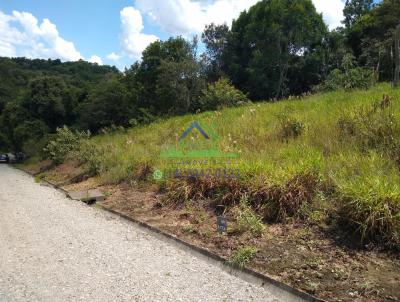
[(281, 143), (243, 256), (247, 220)]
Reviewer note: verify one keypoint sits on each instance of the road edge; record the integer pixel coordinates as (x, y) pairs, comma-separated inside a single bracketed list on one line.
[(274, 286)]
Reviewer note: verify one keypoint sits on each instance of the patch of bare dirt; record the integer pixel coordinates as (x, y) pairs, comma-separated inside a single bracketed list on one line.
[(90, 183), (37, 168), (65, 173), (300, 255)]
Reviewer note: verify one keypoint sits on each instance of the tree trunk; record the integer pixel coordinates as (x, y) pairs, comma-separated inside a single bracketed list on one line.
[(397, 57)]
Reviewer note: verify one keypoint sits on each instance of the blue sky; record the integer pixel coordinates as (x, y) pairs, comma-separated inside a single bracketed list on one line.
[(114, 31)]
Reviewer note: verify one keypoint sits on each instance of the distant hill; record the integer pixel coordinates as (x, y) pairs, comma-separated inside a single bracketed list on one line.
[(15, 74)]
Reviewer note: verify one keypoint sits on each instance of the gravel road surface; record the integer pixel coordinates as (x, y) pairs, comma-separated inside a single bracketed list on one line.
[(56, 249)]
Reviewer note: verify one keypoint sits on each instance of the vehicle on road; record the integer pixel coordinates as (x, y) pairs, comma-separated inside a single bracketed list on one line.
[(4, 158)]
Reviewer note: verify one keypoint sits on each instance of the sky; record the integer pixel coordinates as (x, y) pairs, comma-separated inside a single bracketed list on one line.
[(115, 32)]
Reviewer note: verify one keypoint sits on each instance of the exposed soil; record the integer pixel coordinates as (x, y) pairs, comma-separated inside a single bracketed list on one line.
[(39, 167), (304, 255)]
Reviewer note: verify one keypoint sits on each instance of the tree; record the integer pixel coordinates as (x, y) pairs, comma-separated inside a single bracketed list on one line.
[(4, 143), (168, 77), (50, 100), (179, 85), (372, 36), (13, 115), (397, 57), (271, 43), (222, 94), (108, 104), (354, 9), (215, 38), (29, 135), (349, 76)]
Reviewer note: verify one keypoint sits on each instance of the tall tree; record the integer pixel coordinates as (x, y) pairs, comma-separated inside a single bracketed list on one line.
[(273, 43), (51, 100), (354, 9), (397, 57), (109, 103), (168, 76), (215, 38), (372, 38)]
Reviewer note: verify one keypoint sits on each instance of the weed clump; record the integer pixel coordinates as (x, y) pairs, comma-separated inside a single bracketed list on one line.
[(218, 191), (275, 202), (374, 127), (289, 127), (278, 202), (243, 256), (248, 220), (369, 204)]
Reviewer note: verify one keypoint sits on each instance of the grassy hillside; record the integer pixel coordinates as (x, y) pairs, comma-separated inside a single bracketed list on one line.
[(333, 155)]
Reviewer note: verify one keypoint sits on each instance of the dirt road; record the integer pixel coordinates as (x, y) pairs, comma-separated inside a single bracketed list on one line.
[(55, 249)]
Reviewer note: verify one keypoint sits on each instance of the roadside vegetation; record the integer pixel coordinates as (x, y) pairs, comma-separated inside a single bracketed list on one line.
[(342, 164)]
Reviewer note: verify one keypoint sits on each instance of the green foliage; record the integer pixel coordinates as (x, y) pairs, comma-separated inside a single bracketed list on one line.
[(168, 78), (179, 85), (63, 143), (191, 229), (30, 135), (50, 100), (222, 94), (369, 194), (243, 256), (111, 103), (275, 48), (247, 220), (215, 38), (371, 38), (354, 9), (91, 155), (4, 143), (374, 127), (42, 95), (349, 77), (12, 116), (289, 127)]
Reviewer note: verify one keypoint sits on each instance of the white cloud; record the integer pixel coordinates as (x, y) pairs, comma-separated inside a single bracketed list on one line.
[(96, 59), (331, 10), (186, 17), (113, 56), (22, 35), (8, 36), (133, 40)]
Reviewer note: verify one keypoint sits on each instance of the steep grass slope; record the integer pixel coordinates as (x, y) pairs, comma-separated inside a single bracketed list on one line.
[(327, 154)]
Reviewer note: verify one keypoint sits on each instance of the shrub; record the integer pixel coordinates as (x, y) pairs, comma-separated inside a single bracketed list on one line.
[(91, 155), (247, 220), (242, 256), (289, 127), (222, 94), (369, 202), (64, 142), (349, 77)]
